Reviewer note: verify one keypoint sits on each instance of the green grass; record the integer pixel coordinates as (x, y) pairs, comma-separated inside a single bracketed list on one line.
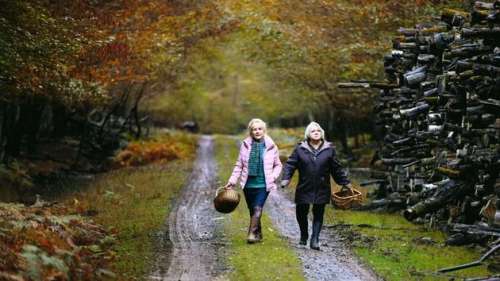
[(135, 202), (392, 249), (270, 260)]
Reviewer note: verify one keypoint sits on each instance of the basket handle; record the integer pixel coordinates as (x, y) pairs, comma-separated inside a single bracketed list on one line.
[(218, 190)]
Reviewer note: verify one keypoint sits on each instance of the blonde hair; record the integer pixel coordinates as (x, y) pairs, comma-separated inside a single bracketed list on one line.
[(253, 122), (310, 127)]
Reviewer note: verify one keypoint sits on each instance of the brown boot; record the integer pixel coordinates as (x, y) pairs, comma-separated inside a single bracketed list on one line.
[(259, 232), (253, 230)]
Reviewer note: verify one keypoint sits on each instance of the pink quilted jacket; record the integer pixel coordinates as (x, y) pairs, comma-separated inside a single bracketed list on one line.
[(272, 163)]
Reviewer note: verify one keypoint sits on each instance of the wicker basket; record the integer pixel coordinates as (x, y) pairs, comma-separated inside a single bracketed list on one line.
[(347, 198), (226, 200)]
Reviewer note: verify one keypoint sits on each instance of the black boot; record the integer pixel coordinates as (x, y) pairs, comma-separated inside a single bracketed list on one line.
[(304, 235), (303, 240), (318, 212), (314, 244)]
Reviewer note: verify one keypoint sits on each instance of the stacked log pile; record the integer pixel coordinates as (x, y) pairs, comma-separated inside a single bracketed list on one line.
[(439, 117)]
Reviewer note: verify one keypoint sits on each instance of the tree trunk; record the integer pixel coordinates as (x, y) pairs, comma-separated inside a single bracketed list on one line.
[(342, 133), (60, 123), (135, 111), (3, 129), (33, 113), (14, 133), (330, 121), (357, 136), (120, 103)]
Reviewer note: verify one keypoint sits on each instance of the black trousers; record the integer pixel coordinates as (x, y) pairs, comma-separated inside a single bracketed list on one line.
[(301, 212)]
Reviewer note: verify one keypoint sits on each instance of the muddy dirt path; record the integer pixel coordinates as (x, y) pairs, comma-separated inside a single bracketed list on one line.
[(335, 262), (191, 252), (191, 249)]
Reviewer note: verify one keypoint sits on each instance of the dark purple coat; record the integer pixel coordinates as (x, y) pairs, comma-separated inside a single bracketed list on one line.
[(314, 173)]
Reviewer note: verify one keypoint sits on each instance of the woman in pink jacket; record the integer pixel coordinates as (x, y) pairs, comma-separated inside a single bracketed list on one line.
[(258, 167)]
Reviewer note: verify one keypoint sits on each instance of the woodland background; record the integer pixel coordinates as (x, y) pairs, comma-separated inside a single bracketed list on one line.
[(85, 84), (84, 73)]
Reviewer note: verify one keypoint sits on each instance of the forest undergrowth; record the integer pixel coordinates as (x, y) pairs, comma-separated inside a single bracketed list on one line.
[(103, 226)]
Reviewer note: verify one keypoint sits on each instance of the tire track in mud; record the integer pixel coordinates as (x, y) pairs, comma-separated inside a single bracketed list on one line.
[(335, 262), (192, 229)]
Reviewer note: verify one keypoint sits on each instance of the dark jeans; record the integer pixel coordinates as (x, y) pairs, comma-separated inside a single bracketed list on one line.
[(302, 210), (255, 197)]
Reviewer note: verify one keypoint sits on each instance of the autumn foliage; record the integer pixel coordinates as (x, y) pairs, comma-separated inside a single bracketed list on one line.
[(44, 243), (64, 61), (82, 68), (79, 70), (160, 149), (282, 61)]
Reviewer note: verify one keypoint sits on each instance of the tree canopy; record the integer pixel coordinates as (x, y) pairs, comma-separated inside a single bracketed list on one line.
[(219, 63), (282, 59)]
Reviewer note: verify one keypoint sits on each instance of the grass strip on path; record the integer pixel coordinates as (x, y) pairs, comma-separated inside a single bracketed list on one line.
[(271, 259)]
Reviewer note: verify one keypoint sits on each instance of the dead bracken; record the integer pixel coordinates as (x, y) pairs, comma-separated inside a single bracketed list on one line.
[(44, 243)]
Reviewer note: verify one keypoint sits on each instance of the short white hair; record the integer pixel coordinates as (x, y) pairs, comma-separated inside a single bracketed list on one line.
[(254, 122), (310, 127)]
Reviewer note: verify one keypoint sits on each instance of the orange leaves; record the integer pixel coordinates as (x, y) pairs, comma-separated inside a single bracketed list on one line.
[(137, 154), (423, 2), (36, 243), (162, 149), (100, 42), (125, 44), (113, 50)]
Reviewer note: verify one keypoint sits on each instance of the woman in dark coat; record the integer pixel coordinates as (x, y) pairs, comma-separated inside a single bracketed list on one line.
[(316, 160)]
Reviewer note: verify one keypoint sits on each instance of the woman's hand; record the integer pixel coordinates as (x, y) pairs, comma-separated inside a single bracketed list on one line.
[(229, 186), (284, 183), (347, 186)]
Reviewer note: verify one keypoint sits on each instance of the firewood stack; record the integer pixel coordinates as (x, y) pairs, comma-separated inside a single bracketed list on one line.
[(439, 117)]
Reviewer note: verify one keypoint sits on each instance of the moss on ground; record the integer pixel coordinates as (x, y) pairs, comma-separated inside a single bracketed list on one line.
[(399, 250), (270, 260)]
